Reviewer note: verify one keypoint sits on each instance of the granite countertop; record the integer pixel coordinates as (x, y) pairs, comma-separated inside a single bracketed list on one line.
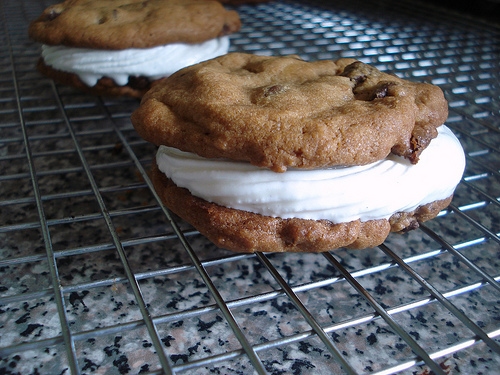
[(97, 278)]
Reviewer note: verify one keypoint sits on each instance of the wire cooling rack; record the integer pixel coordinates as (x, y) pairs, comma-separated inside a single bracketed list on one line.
[(96, 277)]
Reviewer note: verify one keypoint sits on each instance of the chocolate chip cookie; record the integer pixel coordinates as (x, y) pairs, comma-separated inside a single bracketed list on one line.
[(283, 112), (278, 154)]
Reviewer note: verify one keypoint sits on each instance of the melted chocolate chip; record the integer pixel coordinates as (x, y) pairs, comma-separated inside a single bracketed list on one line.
[(265, 94), (226, 29), (52, 15), (412, 226), (349, 69), (359, 79), (382, 90), (273, 90)]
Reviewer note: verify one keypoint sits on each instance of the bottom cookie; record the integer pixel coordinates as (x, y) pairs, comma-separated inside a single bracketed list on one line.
[(136, 86), (243, 231)]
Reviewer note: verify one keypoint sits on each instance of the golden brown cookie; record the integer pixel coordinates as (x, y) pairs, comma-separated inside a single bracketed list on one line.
[(281, 112), (244, 231), (120, 24)]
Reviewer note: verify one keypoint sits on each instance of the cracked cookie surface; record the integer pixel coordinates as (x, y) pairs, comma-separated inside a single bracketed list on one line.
[(283, 112)]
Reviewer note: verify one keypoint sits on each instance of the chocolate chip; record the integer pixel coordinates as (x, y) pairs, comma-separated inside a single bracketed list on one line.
[(265, 95), (226, 29), (349, 69), (52, 15), (357, 70), (359, 79), (412, 226), (381, 90), (273, 90)]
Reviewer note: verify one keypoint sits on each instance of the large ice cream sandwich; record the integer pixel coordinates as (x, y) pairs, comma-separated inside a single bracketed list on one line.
[(120, 47), (279, 154)]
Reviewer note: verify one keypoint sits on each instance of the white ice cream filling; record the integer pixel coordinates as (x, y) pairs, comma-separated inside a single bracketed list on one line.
[(154, 63), (369, 192)]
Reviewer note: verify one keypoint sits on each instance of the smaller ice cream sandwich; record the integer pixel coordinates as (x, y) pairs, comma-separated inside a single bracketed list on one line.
[(119, 47), (278, 154)]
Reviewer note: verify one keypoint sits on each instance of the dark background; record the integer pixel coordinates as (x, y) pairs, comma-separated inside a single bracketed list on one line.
[(487, 9)]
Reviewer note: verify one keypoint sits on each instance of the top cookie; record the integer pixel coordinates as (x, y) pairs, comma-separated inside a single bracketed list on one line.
[(282, 112), (122, 24)]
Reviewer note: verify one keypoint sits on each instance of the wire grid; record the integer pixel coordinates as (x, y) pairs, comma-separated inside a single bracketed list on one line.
[(97, 277)]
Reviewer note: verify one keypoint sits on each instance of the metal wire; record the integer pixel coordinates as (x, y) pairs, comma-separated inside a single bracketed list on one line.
[(96, 276), (54, 274)]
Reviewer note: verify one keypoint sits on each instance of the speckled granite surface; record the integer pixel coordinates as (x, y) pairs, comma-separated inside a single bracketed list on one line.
[(88, 259)]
